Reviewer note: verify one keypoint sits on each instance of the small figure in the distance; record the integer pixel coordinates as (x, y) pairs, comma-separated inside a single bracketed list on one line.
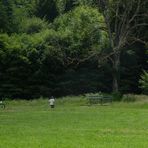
[(52, 102)]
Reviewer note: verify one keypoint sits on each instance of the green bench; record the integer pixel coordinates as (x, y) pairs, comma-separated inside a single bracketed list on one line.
[(99, 99), (2, 105)]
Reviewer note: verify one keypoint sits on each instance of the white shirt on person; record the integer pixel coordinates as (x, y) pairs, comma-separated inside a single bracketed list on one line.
[(51, 101)]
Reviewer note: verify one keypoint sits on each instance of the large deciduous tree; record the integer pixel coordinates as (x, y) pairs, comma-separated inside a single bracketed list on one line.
[(79, 35), (123, 19)]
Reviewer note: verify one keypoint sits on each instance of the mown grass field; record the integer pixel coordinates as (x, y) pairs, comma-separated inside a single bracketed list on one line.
[(73, 124)]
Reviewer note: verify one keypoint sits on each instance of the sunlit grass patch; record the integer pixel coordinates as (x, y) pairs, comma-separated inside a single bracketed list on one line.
[(73, 124)]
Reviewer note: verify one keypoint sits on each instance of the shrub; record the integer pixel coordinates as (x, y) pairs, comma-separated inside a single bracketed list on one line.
[(128, 98), (33, 25), (117, 96), (144, 82)]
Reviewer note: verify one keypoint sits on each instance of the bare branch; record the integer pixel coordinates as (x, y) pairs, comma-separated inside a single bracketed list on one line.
[(138, 25), (136, 12), (134, 39)]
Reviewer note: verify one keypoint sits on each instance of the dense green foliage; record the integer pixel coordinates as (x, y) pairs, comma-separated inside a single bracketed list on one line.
[(56, 48)]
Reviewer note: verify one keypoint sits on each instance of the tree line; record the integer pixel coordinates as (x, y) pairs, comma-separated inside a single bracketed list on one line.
[(69, 47)]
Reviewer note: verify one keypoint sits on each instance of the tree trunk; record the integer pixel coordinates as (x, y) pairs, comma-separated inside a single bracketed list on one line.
[(116, 72)]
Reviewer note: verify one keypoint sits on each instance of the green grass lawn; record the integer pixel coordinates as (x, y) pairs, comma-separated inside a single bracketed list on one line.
[(73, 124)]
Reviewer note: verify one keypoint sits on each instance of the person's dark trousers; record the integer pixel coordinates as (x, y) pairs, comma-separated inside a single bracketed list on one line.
[(52, 106)]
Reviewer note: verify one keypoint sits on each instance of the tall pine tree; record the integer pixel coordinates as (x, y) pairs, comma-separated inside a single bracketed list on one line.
[(47, 9), (6, 16)]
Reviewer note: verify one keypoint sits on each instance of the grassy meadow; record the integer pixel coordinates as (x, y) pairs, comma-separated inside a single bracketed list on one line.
[(73, 124)]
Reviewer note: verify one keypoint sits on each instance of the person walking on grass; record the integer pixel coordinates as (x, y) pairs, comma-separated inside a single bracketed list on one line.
[(52, 102)]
